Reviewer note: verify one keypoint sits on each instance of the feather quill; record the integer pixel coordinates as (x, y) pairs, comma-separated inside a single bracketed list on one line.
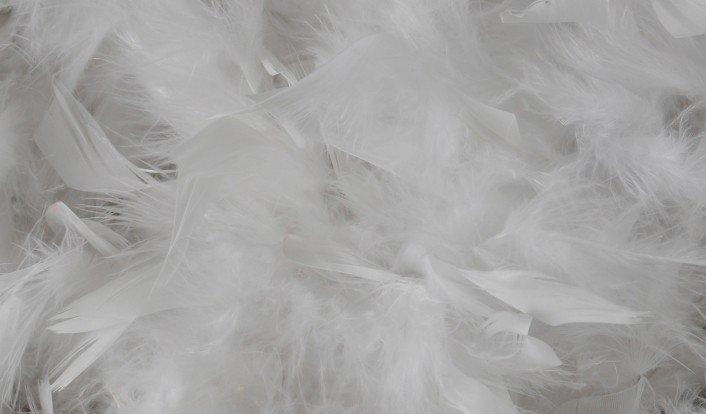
[(91, 348), (45, 399)]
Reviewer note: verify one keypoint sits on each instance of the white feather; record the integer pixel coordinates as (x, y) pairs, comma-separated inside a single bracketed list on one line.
[(560, 11), (378, 206), (100, 237), (295, 249), (74, 144), (681, 18), (90, 349), (104, 315), (626, 401), (45, 399), (527, 352), (544, 298)]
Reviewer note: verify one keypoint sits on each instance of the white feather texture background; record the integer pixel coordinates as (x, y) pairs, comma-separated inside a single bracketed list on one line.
[(368, 206)]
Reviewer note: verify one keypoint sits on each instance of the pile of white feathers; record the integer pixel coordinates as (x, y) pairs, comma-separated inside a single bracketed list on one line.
[(352, 206)]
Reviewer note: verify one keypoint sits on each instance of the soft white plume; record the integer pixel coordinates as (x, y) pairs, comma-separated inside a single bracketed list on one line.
[(327, 206)]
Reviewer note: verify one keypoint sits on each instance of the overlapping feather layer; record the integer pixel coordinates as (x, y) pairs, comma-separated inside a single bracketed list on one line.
[(322, 206)]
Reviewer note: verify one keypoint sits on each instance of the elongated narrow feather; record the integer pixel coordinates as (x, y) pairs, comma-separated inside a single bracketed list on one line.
[(626, 401), (45, 399), (681, 18), (104, 314), (87, 353), (100, 237), (101, 230), (295, 249), (11, 320), (78, 149), (13, 282), (550, 301), (411, 259), (119, 301), (559, 11)]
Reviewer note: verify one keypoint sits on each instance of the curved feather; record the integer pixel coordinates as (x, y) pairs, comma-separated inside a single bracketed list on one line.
[(295, 249), (80, 152), (90, 349), (100, 237), (397, 140), (103, 315), (546, 299), (203, 161), (530, 353)]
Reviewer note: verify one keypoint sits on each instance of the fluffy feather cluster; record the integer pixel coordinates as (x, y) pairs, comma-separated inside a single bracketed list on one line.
[(370, 206)]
